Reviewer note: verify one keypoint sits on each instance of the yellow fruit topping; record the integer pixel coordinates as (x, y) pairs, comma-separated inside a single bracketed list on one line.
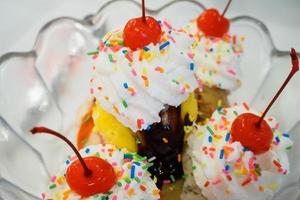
[(190, 107), (111, 130)]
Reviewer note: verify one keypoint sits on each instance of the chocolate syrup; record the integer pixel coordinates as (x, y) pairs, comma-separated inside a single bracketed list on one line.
[(164, 142)]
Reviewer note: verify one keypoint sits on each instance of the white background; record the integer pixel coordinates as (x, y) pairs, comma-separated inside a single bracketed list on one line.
[(22, 19)]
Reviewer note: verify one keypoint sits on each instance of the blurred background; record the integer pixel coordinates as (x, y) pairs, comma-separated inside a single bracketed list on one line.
[(21, 20), (20, 24)]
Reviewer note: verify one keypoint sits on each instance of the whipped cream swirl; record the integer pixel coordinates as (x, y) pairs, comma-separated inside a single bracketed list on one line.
[(135, 86), (135, 185), (225, 170), (217, 59)]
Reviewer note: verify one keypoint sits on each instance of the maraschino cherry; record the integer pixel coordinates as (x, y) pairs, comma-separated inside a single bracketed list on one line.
[(212, 24), (141, 31), (86, 176), (252, 131)]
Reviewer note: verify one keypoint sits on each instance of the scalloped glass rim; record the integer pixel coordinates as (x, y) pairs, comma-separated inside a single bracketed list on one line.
[(257, 97)]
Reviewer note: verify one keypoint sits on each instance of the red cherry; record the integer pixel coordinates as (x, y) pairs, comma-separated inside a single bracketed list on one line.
[(245, 130), (86, 176), (139, 33), (212, 24), (253, 131), (103, 177)]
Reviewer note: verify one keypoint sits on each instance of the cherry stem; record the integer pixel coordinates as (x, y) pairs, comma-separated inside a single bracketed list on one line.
[(295, 68), (143, 11), (226, 8), (87, 171)]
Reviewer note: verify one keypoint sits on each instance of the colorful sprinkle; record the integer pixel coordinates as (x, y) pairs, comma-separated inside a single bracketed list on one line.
[(216, 182), (227, 167), (229, 178), (152, 159), (128, 156), (132, 174), (221, 154), (164, 45), (273, 186), (191, 55), (130, 192), (167, 25), (183, 90), (155, 192), (91, 90), (165, 140), (172, 39), (210, 130), (137, 179), (133, 72), (172, 178), (128, 58), (277, 163), (261, 188), (206, 184), (53, 178), (288, 148), (286, 135), (110, 57), (227, 137), (147, 166), (51, 187), (140, 122), (276, 126), (232, 72), (143, 188), (93, 53), (127, 180), (116, 109), (246, 149), (179, 157), (246, 182), (66, 194), (159, 69), (192, 66), (258, 170), (124, 103), (246, 106)]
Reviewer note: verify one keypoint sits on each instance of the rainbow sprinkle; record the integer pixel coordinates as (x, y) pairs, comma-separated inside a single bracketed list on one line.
[(133, 181), (136, 71), (236, 164), (164, 45)]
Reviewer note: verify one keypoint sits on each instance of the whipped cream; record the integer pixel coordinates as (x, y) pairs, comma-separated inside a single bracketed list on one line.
[(137, 186), (217, 59), (225, 170), (135, 86)]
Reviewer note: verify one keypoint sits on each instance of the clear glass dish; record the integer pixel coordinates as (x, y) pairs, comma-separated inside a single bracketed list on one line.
[(49, 84)]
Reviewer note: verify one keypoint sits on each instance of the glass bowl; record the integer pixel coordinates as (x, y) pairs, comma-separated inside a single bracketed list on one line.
[(49, 85)]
